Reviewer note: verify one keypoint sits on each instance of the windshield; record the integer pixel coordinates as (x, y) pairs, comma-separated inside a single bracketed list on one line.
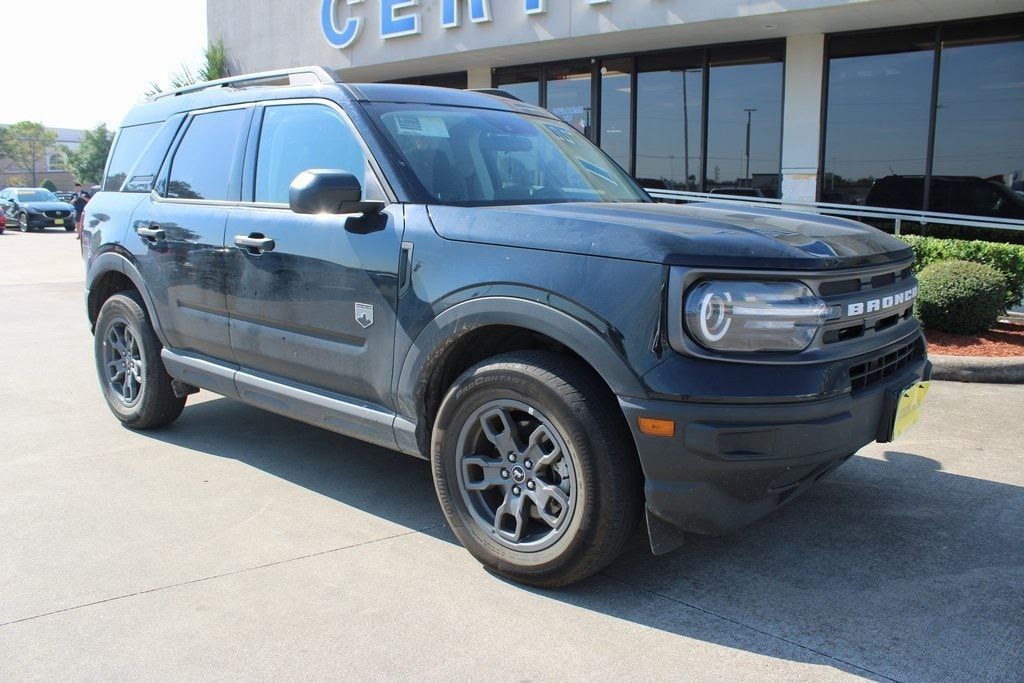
[(479, 157), (35, 196)]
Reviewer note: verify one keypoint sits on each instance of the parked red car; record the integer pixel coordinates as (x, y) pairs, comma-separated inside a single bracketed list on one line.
[(3, 223)]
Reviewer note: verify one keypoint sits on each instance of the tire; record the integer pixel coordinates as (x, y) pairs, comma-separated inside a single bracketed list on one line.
[(23, 222), (142, 398), (69, 228), (574, 465)]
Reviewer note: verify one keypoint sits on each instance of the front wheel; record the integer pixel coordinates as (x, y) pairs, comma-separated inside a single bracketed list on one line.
[(23, 222), (132, 375), (535, 469)]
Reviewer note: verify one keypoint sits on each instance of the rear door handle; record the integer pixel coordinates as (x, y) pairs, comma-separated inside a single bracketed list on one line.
[(255, 243), (152, 233)]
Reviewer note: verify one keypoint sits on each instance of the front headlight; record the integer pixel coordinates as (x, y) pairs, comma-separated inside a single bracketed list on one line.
[(754, 316)]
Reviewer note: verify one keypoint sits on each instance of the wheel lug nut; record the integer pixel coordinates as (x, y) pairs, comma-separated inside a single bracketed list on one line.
[(516, 490), (512, 457), (531, 485), (529, 464), (504, 474)]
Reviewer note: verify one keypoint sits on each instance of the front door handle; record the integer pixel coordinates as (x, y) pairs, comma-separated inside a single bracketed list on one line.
[(255, 243), (152, 233)]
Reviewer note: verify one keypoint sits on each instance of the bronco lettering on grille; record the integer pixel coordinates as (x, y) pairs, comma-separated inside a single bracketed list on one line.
[(881, 304)]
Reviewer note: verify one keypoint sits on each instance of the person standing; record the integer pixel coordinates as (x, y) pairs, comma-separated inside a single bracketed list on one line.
[(78, 200)]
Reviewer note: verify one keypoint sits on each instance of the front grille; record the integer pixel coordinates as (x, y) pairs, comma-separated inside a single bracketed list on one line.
[(888, 285), (863, 375), (56, 214)]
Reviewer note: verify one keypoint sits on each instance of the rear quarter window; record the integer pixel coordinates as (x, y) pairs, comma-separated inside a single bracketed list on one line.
[(128, 147)]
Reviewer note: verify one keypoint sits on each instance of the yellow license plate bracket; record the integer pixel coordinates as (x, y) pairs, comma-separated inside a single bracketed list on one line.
[(908, 408)]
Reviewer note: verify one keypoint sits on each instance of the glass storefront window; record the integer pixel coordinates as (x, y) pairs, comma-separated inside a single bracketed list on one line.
[(616, 95), (568, 95), (523, 83), (744, 129), (652, 112), (978, 163), (668, 127), (877, 126)]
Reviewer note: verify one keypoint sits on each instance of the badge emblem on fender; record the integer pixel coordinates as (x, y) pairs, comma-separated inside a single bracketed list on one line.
[(364, 314)]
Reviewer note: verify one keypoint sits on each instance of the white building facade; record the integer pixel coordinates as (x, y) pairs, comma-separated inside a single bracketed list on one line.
[(803, 99)]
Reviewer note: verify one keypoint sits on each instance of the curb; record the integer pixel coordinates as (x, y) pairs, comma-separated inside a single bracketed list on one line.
[(1006, 370)]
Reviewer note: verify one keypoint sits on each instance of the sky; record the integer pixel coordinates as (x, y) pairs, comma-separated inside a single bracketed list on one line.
[(113, 50)]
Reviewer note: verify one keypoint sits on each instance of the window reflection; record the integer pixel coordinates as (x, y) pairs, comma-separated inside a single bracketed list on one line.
[(978, 165), (745, 129), (615, 99), (568, 95), (523, 83), (877, 127), (668, 132)]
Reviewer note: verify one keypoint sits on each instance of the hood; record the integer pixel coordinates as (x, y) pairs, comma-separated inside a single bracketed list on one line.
[(46, 206), (706, 235)]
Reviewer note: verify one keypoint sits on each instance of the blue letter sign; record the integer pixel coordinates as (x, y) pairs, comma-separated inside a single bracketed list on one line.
[(338, 37), (479, 12), (392, 24)]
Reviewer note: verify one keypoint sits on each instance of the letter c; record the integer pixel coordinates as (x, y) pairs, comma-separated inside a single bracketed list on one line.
[(339, 38)]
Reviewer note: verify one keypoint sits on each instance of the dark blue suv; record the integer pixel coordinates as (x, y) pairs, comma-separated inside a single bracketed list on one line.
[(463, 277)]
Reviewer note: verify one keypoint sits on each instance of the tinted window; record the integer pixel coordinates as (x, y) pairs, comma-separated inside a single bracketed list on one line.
[(615, 104), (205, 158), (668, 126), (744, 129), (129, 145), (523, 83), (144, 172), (979, 124), (298, 138), (568, 95)]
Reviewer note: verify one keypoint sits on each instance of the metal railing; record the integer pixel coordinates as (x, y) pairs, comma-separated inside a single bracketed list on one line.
[(898, 216)]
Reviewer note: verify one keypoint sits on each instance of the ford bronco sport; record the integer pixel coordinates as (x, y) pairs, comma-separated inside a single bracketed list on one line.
[(465, 278)]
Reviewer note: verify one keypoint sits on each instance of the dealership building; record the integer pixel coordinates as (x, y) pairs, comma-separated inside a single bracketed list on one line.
[(808, 100)]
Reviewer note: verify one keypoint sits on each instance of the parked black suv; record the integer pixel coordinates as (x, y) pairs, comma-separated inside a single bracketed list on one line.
[(465, 278), (968, 195), (36, 208)]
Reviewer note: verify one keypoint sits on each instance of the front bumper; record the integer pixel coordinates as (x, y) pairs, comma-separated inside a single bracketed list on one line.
[(730, 464), (40, 221)]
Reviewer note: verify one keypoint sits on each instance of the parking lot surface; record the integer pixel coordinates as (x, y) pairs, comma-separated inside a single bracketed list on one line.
[(238, 544)]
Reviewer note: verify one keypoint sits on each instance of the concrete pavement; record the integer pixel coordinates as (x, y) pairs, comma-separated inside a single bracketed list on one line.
[(237, 544)]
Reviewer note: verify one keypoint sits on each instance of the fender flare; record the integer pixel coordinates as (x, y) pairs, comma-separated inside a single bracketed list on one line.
[(112, 261), (581, 336)]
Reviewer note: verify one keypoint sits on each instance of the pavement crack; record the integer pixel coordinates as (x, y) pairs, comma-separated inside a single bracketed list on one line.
[(222, 575), (762, 632)]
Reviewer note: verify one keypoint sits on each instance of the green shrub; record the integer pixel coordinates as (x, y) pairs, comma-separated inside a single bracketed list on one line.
[(960, 297), (1008, 259)]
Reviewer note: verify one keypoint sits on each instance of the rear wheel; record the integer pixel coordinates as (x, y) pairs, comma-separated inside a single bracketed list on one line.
[(534, 468), (132, 376)]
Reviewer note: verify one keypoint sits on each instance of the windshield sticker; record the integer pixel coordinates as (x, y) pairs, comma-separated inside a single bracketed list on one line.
[(596, 170), (426, 126), (561, 133)]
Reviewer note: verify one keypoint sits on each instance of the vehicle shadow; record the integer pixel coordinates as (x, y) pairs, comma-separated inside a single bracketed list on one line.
[(888, 569)]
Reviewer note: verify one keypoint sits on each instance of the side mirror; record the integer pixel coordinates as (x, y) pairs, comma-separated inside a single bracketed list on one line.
[(329, 191)]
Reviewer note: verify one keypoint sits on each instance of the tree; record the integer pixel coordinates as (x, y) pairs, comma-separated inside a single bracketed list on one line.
[(27, 144), (215, 65), (88, 160)]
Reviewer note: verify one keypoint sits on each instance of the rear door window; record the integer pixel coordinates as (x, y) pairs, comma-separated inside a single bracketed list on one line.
[(127, 149), (206, 159)]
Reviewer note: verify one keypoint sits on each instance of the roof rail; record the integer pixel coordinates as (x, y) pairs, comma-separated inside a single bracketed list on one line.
[(303, 75)]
